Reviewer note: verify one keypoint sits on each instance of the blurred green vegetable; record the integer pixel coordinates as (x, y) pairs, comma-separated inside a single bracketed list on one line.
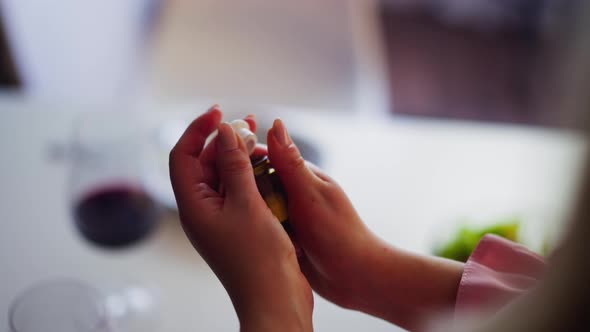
[(467, 237)]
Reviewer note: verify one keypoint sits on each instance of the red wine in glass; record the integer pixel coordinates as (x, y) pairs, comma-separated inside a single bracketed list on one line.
[(115, 216)]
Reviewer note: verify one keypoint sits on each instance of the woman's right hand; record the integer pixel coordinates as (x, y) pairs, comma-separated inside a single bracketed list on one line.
[(336, 243), (343, 260)]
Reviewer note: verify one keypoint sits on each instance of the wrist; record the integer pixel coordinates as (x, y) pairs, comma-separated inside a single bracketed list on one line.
[(283, 303), (274, 321), (275, 315), (372, 287), (406, 288)]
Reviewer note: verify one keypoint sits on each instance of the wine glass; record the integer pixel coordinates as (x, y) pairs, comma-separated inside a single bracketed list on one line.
[(111, 207), (109, 203)]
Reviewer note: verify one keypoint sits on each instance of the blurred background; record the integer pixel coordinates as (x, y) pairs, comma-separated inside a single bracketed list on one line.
[(441, 119), (484, 60)]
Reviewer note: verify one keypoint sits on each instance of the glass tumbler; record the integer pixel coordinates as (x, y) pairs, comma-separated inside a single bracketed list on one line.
[(64, 306)]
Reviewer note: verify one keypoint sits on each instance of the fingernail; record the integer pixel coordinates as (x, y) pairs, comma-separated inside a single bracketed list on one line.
[(227, 137), (280, 132), (213, 108)]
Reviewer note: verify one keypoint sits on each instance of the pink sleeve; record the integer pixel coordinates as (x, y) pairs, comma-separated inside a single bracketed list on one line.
[(498, 271)]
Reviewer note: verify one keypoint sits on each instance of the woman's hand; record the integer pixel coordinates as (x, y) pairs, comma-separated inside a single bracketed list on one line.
[(234, 231), (335, 241), (343, 260)]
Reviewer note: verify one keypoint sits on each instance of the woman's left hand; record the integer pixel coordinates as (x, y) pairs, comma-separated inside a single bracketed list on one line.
[(234, 230)]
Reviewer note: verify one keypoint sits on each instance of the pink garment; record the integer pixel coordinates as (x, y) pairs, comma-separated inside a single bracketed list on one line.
[(498, 271)]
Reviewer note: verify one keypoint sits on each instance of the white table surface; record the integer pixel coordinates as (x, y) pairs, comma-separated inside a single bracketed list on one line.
[(409, 179)]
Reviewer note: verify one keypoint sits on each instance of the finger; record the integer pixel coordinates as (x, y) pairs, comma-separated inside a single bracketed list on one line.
[(207, 157), (207, 160), (185, 169), (193, 139), (233, 165), (251, 119), (288, 162)]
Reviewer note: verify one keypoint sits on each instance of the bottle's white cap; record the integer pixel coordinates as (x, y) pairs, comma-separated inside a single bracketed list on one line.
[(242, 128)]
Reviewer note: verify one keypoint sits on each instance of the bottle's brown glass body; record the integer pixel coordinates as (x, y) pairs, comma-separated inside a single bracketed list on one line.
[(272, 191)]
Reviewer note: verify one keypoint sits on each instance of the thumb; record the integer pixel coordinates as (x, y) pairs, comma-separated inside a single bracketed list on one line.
[(233, 164), (288, 162)]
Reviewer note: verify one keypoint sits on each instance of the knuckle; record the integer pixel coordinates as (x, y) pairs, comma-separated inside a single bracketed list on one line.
[(311, 165), (236, 164), (296, 163), (335, 188), (331, 192)]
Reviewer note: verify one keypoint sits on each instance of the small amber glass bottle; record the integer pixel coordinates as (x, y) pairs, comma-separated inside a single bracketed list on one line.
[(272, 191)]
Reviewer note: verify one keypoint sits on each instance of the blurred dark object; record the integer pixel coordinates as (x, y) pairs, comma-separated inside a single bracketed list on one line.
[(8, 73), (482, 60)]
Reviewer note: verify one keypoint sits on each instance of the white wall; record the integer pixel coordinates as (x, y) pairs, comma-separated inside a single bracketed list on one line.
[(72, 49)]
